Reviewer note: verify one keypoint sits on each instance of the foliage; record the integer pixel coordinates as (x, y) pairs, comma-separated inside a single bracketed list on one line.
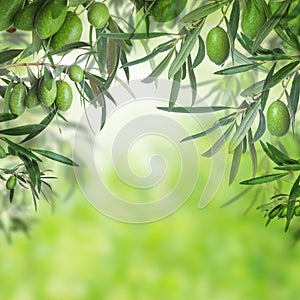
[(273, 53)]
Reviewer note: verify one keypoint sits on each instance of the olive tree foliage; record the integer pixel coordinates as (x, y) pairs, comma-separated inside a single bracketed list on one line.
[(259, 41)]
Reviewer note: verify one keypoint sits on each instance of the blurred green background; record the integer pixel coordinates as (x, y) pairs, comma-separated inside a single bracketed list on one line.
[(214, 253)]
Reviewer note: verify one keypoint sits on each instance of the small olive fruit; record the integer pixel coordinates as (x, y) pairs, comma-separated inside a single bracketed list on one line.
[(278, 118), (76, 73), (64, 96), (166, 10), (47, 92), (275, 211), (24, 20), (297, 210), (8, 11), (32, 99), (217, 45), (50, 18), (98, 15), (70, 32), (2, 152), (17, 99), (11, 182), (253, 18)]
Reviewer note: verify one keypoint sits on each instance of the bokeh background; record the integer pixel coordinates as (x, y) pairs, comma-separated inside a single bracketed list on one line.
[(74, 252)]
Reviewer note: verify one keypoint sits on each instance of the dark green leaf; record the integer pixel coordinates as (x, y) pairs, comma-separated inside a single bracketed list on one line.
[(124, 61), (266, 91), (22, 130), (101, 49), (294, 193), (7, 116), (295, 167), (234, 18), (21, 150), (294, 94), (70, 46), (270, 57), (281, 157), (8, 55), (264, 179), (43, 124), (55, 156)]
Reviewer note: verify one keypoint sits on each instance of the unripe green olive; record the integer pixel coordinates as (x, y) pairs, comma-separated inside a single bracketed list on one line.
[(64, 96), (47, 92), (50, 18), (98, 15), (24, 20), (166, 10), (76, 73), (283, 212), (253, 18), (217, 45), (278, 118), (11, 182), (32, 99), (70, 32), (275, 211), (17, 99), (2, 152), (297, 211), (8, 11)]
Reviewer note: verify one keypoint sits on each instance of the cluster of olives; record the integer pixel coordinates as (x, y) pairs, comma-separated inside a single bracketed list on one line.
[(280, 211), (51, 19), (47, 92), (253, 18)]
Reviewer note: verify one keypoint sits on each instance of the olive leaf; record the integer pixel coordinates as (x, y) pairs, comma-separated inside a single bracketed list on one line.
[(200, 54), (185, 49), (237, 69), (196, 110), (253, 153), (7, 116), (193, 81), (261, 127), (175, 88), (264, 179), (235, 164), (294, 193), (8, 55), (135, 36)]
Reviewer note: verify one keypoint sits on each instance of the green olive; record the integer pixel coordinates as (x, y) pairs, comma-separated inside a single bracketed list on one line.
[(278, 118), (98, 15), (76, 73), (64, 96), (24, 20), (8, 11), (217, 45), (275, 211), (32, 99), (253, 18), (11, 182), (50, 18), (70, 32), (3, 153), (17, 99), (166, 10), (297, 211), (47, 92)]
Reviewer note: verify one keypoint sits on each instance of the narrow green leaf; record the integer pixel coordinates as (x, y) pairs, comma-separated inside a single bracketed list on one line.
[(193, 81), (295, 191), (234, 18), (21, 150), (124, 61), (270, 57), (294, 94), (159, 69), (186, 48), (253, 153), (270, 25), (101, 49), (43, 125), (55, 156), (245, 125), (7, 97), (295, 167), (135, 36), (196, 110), (261, 127), (281, 157), (219, 143), (175, 88), (237, 69), (266, 91), (200, 54), (21, 130), (7, 116), (203, 11), (69, 47), (270, 154), (235, 164), (8, 55), (264, 179)]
